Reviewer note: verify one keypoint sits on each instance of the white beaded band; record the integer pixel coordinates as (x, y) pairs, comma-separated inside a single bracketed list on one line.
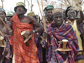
[(33, 31)]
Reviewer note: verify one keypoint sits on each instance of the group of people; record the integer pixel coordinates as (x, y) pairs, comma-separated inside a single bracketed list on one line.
[(24, 40)]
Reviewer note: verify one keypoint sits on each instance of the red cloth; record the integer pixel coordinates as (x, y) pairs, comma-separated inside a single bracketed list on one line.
[(23, 53)]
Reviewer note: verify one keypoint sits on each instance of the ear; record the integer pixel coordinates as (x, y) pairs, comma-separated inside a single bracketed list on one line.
[(25, 11), (67, 17)]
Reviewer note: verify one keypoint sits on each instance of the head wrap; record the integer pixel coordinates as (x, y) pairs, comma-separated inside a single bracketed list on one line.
[(1, 9), (20, 4), (57, 10), (50, 7), (70, 8), (31, 14), (9, 14)]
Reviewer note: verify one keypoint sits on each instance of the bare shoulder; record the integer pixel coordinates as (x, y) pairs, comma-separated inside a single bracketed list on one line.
[(30, 18)]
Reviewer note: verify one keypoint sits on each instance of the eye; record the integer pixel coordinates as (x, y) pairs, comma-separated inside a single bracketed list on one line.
[(56, 17)]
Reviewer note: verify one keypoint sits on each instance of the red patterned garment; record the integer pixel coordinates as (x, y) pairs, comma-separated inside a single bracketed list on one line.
[(23, 53)]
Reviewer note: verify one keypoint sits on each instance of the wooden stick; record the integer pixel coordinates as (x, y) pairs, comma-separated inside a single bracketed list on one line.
[(6, 25), (2, 3), (27, 38), (39, 7), (44, 24), (31, 5), (1, 33), (68, 2), (43, 17), (28, 4), (24, 1)]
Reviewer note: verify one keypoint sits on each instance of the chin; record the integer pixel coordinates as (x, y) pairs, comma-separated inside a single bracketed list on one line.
[(19, 13), (72, 18), (58, 25)]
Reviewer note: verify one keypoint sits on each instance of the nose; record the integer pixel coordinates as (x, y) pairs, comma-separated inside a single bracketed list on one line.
[(19, 9), (50, 13), (58, 19)]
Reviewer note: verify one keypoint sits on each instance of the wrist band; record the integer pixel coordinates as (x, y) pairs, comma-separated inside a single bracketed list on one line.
[(33, 31)]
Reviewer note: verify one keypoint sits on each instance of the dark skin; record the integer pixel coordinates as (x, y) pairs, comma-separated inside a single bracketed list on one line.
[(65, 18), (21, 11), (2, 15), (49, 15), (71, 15), (2, 27), (37, 18), (79, 27), (58, 19), (8, 18), (80, 20), (45, 12)]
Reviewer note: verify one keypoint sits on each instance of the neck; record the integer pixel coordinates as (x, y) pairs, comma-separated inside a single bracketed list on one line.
[(58, 26), (1, 25), (72, 20), (20, 16), (50, 19)]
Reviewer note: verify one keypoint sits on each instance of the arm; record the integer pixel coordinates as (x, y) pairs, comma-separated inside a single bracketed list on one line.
[(36, 24), (10, 25)]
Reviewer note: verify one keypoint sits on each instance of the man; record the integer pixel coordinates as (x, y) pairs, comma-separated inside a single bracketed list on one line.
[(4, 54), (72, 14), (2, 16), (9, 15), (37, 37), (38, 41), (48, 19), (57, 31), (81, 28), (45, 12), (48, 14), (24, 52)]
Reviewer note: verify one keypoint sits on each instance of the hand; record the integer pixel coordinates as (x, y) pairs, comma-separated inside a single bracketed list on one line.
[(65, 61), (37, 35), (29, 32), (45, 35), (10, 32)]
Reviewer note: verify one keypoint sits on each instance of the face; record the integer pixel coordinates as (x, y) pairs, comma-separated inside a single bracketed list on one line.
[(37, 18), (2, 15), (8, 18), (49, 13), (64, 15), (45, 12), (58, 18), (20, 10), (71, 14)]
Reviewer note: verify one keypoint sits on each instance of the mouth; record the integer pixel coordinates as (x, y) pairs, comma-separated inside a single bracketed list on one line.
[(72, 17), (58, 22)]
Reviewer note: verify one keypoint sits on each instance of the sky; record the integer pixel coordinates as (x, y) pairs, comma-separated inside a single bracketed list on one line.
[(10, 4)]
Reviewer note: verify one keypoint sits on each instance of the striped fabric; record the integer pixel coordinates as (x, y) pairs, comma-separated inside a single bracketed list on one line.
[(56, 35), (23, 53)]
